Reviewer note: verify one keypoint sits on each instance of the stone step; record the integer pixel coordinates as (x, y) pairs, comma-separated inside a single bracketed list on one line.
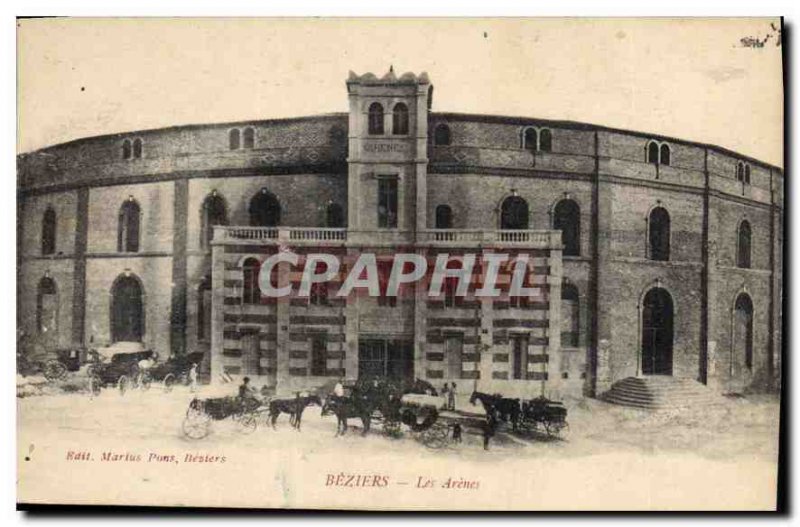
[(660, 392)]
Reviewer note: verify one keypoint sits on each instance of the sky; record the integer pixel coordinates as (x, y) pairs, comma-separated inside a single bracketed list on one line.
[(691, 79)]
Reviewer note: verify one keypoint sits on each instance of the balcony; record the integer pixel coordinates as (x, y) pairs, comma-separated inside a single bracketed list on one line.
[(319, 236)]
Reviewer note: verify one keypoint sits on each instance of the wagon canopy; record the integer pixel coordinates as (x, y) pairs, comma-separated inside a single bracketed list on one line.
[(122, 348)]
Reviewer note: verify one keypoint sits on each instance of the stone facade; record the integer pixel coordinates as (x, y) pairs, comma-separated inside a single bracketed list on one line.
[(474, 166)]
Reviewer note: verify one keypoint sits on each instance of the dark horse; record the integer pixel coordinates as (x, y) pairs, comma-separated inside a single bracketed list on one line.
[(345, 408), (293, 407), (508, 409)]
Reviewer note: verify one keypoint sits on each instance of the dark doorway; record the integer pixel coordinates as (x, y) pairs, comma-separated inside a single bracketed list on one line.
[(265, 211), (385, 359), (657, 333), (743, 334), (251, 353), (514, 213), (127, 315)]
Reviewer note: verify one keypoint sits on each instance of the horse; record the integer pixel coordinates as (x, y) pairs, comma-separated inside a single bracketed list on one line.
[(505, 407), (293, 407), (347, 407)]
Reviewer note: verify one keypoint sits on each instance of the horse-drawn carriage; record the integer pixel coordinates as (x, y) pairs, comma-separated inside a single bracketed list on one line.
[(117, 365), (174, 371), (201, 412), (413, 405), (525, 416), (34, 358)]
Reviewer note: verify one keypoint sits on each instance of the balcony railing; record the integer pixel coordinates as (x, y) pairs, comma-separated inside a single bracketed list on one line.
[(388, 237)]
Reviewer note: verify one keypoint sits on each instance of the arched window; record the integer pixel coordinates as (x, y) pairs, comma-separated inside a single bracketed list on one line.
[(204, 309), (567, 219), (127, 310), (747, 174), (49, 231), (659, 232), (334, 216), (441, 135), (234, 139), (740, 172), (743, 330), (743, 245), (265, 210), (665, 155), (570, 312), (651, 152), (249, 137), (444, 217), (400, 119), (545, 140), (214, 213), (514, 213), (530, 140), (251, 292), (375, 123), (128, 229), (137, 148), (126, 149), (47, 308)]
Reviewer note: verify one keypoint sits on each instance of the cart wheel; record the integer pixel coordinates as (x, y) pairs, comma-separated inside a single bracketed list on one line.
[(169, 382), (247, 423), (54, 371), (144, 381), (124, 384), (95, 384), (436, 436), (196, 426)]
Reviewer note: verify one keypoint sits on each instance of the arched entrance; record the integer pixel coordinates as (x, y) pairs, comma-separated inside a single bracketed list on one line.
[(657, 332), (127, 313), (741, 367), (514, 213), (265, 210)]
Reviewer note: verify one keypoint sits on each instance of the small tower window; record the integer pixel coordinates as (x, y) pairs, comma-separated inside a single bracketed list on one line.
[(743, 245), (652, 153), (441, 135), (659, 233), (234, 139), (249, 138), (657, 153), (400, 119), (545, 140), (375, 124), (126, 149), (530, 139), (743, 173), (137, 148), (128, 228)]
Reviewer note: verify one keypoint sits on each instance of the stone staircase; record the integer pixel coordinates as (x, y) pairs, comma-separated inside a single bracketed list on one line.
[(660, 392)]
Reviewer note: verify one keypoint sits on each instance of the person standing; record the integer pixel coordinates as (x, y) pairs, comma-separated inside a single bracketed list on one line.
[(193, 377), (446, 396), (451, 397)]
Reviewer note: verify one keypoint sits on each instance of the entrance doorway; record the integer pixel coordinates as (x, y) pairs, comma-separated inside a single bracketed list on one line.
[(657, 332), (127, 316), (385, 359)]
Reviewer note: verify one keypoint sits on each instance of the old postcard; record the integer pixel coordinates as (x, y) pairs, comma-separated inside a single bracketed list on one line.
[(263, 263)]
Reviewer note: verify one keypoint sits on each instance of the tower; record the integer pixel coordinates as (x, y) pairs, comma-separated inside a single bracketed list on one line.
[(387, 163)]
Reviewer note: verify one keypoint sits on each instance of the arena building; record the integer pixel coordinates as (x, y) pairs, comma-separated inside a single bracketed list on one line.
[(650, 255)]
